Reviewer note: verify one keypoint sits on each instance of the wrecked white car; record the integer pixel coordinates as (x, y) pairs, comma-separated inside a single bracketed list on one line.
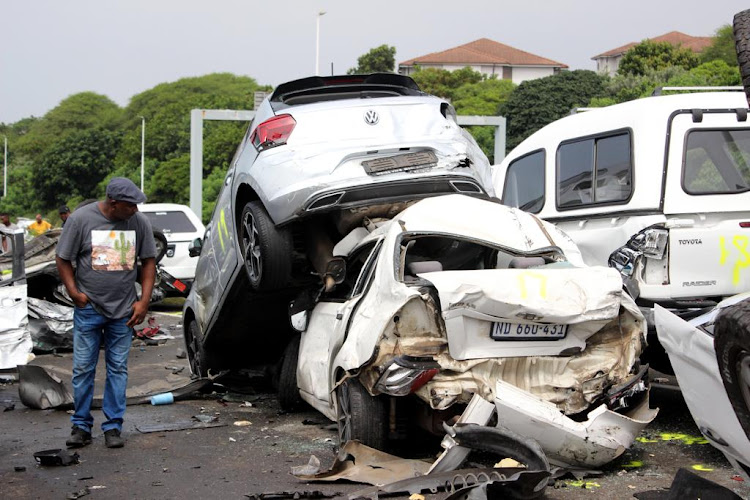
[(458, 296), (711, 359)]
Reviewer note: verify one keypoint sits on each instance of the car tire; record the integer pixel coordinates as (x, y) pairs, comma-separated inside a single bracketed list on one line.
[(741, 28), (732, 346), (288, 392), (161, 245), (196, 353), (266, 249), (360, 416)]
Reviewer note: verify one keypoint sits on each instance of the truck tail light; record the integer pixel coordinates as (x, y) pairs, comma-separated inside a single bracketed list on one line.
[(744, 224), (273, 132)]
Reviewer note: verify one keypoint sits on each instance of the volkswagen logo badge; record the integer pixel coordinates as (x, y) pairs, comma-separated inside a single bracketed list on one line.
[(371, 117)]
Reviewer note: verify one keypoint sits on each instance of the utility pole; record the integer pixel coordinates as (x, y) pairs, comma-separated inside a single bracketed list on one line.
[(317, 42), (5, 167), (143, 148)]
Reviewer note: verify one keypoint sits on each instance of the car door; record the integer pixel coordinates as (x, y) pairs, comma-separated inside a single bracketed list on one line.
[(218, 259), (329, 323)]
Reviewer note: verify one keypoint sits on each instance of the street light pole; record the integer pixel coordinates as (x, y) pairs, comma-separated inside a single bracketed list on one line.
[(5, 168), (317, 42), (143, 148)]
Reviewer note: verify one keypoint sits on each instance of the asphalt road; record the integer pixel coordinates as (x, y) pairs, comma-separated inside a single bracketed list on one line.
[(255, 456)]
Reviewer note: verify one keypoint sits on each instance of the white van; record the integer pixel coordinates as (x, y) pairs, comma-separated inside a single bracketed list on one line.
[(657, 187), (180, 226)]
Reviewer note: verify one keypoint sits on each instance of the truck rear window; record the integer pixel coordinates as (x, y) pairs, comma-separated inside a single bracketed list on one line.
[(716, 161), (595, 171)]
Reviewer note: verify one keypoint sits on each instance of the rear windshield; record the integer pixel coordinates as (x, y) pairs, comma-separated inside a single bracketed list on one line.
[(170, 222), (716, 161)]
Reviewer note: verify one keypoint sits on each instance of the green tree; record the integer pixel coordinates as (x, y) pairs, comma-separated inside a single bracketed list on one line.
[(381, 59), (444, 83), (536, 103), (75, 113), (722, 47), (649, 55), (74, 165), (482, 98)]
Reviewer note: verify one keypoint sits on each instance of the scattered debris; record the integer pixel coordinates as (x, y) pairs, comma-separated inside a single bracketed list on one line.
[(177, 426), (291, 494), (702, 468), (78, 494), (41, 390), (19, 468), (231, 439), (242, 423), (166, 398), (10, 407), (206, 418), (689, 485), (359, 463), (247, 404), (181, 354), (506, 483), (55, 457)]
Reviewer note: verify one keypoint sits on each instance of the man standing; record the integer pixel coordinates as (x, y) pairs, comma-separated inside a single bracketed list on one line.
[(39, 226), (6, 241), (104, 239), (64, 212)]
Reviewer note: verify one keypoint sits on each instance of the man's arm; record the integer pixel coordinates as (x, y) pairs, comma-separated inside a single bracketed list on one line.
[(148, 275), (65, 269)]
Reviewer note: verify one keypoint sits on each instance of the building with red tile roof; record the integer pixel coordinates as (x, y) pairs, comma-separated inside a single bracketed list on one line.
[(488, 57), (608, 62)]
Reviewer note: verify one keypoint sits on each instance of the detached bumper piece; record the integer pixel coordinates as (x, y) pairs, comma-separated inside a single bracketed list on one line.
[(599, 439)]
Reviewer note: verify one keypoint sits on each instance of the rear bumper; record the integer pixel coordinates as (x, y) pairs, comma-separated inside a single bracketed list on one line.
[(599, 439)]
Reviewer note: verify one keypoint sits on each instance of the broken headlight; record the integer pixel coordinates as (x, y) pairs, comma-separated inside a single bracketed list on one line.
[(406, 374), (651, 242)]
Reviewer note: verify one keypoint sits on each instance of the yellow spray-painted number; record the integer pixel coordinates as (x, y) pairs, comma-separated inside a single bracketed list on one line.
[(223, 229), (740, 243), (539, 279)]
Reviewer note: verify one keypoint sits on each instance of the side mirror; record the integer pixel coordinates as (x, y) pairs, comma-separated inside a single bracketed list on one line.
[(299, 321), (194, 248)]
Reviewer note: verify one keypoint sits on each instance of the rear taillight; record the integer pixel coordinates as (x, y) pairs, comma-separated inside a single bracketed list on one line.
[(405, 375), (744, 224), (273, 132)]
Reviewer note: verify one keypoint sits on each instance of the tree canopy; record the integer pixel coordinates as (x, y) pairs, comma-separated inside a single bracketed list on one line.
[(722, 47), (649, 55), (536, 103), (378, 60)]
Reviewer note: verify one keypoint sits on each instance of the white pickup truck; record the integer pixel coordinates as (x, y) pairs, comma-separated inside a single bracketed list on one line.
[(658, 188)]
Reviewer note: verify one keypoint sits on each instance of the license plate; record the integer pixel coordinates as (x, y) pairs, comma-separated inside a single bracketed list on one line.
[(520, 331), (406, 162)]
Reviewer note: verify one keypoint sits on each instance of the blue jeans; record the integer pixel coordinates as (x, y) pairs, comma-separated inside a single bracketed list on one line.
[(89, 327)]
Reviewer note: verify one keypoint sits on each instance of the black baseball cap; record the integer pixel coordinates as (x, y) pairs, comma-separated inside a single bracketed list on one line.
[(122, 189), (63, 209)]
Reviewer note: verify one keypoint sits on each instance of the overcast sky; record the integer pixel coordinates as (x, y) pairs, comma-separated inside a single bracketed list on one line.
[(51, 49)]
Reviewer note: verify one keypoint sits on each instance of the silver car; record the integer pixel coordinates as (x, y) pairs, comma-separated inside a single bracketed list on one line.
[(322, 156)]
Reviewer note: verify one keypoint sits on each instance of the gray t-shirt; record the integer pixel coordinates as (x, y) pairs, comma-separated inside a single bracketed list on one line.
[(105, 255)]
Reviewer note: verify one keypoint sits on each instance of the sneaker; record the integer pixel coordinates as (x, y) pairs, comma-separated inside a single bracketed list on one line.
[(78, 437), (112, 439)]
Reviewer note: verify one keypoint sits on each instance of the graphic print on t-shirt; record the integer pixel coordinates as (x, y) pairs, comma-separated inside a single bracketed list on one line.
[(113, 250)]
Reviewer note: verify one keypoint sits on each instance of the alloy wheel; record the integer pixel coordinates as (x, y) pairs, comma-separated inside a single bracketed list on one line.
[(251, 248)]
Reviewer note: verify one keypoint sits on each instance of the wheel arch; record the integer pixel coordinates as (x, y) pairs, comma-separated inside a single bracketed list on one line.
[(245, 194)]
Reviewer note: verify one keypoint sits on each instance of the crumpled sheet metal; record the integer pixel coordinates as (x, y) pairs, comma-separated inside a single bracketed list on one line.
[(506, 483), (40, 390), (557, 295), (360, 463), (51, 325), (601, 438), (15, 340), (570, 382)]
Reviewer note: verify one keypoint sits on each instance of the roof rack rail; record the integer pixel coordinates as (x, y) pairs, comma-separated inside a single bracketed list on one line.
[(660, 90)]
